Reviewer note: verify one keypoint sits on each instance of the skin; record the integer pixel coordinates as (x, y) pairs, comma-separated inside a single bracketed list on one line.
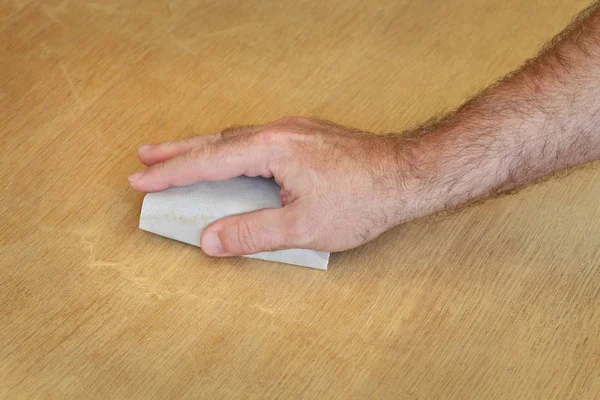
[(341, 188)]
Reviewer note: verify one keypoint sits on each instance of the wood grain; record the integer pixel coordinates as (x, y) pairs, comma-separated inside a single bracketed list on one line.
[(498, 301)]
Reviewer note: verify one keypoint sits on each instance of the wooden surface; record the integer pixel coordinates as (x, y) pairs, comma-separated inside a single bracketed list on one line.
[(498, 301)]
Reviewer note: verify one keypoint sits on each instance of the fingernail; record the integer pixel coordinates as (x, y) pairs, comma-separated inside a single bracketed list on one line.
[(145, 147), (211, 244), (135, 177)]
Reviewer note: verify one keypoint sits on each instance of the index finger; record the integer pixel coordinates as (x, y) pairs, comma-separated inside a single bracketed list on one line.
[(225, 159)]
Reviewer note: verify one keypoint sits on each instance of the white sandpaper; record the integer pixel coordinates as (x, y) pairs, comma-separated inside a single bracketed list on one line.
[(182, 213)]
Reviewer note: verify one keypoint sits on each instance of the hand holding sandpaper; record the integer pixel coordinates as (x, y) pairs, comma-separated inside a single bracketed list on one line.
[(338, 187)]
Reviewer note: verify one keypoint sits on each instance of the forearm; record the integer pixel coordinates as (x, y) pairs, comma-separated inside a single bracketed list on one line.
[(539, 120)]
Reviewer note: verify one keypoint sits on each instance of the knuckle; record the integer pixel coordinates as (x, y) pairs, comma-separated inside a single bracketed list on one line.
[(195, 154), (156, 168), (271, 136), (283, 136), (167, 145), (189, 141), (230, 131), (245, 237), (160, 168)]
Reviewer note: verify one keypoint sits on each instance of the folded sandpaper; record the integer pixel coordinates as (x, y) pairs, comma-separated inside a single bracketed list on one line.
[(182, 213)]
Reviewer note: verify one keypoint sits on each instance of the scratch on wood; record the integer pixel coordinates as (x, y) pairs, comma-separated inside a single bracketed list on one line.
[(232, 29), (100, 7), (51, 16), (195, 364), (264, 310), (16, 15), (179, 43), (70, 82)]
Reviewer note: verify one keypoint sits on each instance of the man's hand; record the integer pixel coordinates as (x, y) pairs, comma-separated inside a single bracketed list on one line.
[(339, 188)]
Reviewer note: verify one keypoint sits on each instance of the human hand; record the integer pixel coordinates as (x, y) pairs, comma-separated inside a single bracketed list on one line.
[(339, 187)]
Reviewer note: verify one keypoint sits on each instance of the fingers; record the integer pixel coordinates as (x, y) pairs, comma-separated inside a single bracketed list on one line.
[(150, 154), (218, 161), (254, 232)]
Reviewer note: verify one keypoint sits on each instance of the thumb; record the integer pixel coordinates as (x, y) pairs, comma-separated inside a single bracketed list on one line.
[(253, 232)]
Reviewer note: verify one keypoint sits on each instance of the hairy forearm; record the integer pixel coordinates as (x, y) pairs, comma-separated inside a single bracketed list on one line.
[(543, 118)]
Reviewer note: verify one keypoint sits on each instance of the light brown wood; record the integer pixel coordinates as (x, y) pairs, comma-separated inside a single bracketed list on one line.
[(500, 300)]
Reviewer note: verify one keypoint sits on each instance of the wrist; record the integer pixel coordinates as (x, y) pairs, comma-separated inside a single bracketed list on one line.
[(451, 167), (413, 169)]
